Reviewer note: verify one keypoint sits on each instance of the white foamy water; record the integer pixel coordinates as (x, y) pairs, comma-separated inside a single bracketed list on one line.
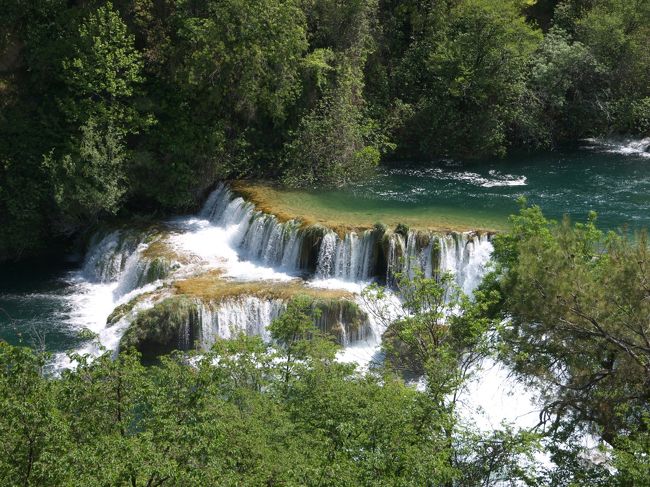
[(244, 244), (247, 314), (91, 303), (214, 246), (494, 178), (493, 396), (624, 146)]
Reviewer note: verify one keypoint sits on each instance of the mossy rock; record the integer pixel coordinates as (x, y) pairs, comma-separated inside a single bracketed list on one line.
[(311, 238), (172, 324), (211, 288), (120, 312), (380, 228), (156, 269), (422, 239), (402, 229), (342, 318), (125, 309)]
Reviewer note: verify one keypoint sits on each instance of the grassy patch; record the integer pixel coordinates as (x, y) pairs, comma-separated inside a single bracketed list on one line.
[(211, 287)]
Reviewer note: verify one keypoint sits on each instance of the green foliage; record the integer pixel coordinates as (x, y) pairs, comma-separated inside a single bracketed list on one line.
[(297, 338), (440, 333), (103, 71), (90, 180), (561, 87), (230, 418), (464, 76), (577, 310), (631, 455), (142, 106), (30, 427), (337, 141), (334, 144)]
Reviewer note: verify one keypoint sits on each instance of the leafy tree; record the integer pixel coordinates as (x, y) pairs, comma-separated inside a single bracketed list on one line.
[(436, 331), (335, 144), (103, 72), (29, 122), (298, 338), (229, 77), (226, 417), (576, 301), (617, 33), (337, 140), (101, 75), (31, 428), (464, 77), (562, 85), (91, 180)]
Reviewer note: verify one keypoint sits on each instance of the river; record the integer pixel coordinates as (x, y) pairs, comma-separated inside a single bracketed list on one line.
[(46, 304)]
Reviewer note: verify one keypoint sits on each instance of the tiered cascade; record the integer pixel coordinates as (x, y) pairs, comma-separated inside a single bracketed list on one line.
[(241, 244), (357, 256)]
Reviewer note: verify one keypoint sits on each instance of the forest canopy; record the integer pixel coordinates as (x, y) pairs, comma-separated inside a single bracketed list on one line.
[(143, 104)]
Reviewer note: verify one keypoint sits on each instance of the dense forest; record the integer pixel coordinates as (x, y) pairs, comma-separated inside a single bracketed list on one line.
[(140, 106)]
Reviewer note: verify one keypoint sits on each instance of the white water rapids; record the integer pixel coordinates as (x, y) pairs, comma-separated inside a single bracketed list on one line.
[(229, 234)]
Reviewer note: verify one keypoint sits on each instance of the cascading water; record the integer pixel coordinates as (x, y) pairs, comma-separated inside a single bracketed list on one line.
[(230, 234), (246, 244), (349, 258), (248, 314), (118, 258), (465, 256), (108, 255), (259, 236), (355, 256), (252, 315), (462, 254)]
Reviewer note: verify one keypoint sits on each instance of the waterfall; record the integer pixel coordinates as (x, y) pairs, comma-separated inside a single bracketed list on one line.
[(465, 256), (355, 257), (396, 251), (260, 236), (108, 254), (133, 272), (349, 258), (272, 243), (232, 234), (462, 254), (250, 315), (478, 255), (418, 254)]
